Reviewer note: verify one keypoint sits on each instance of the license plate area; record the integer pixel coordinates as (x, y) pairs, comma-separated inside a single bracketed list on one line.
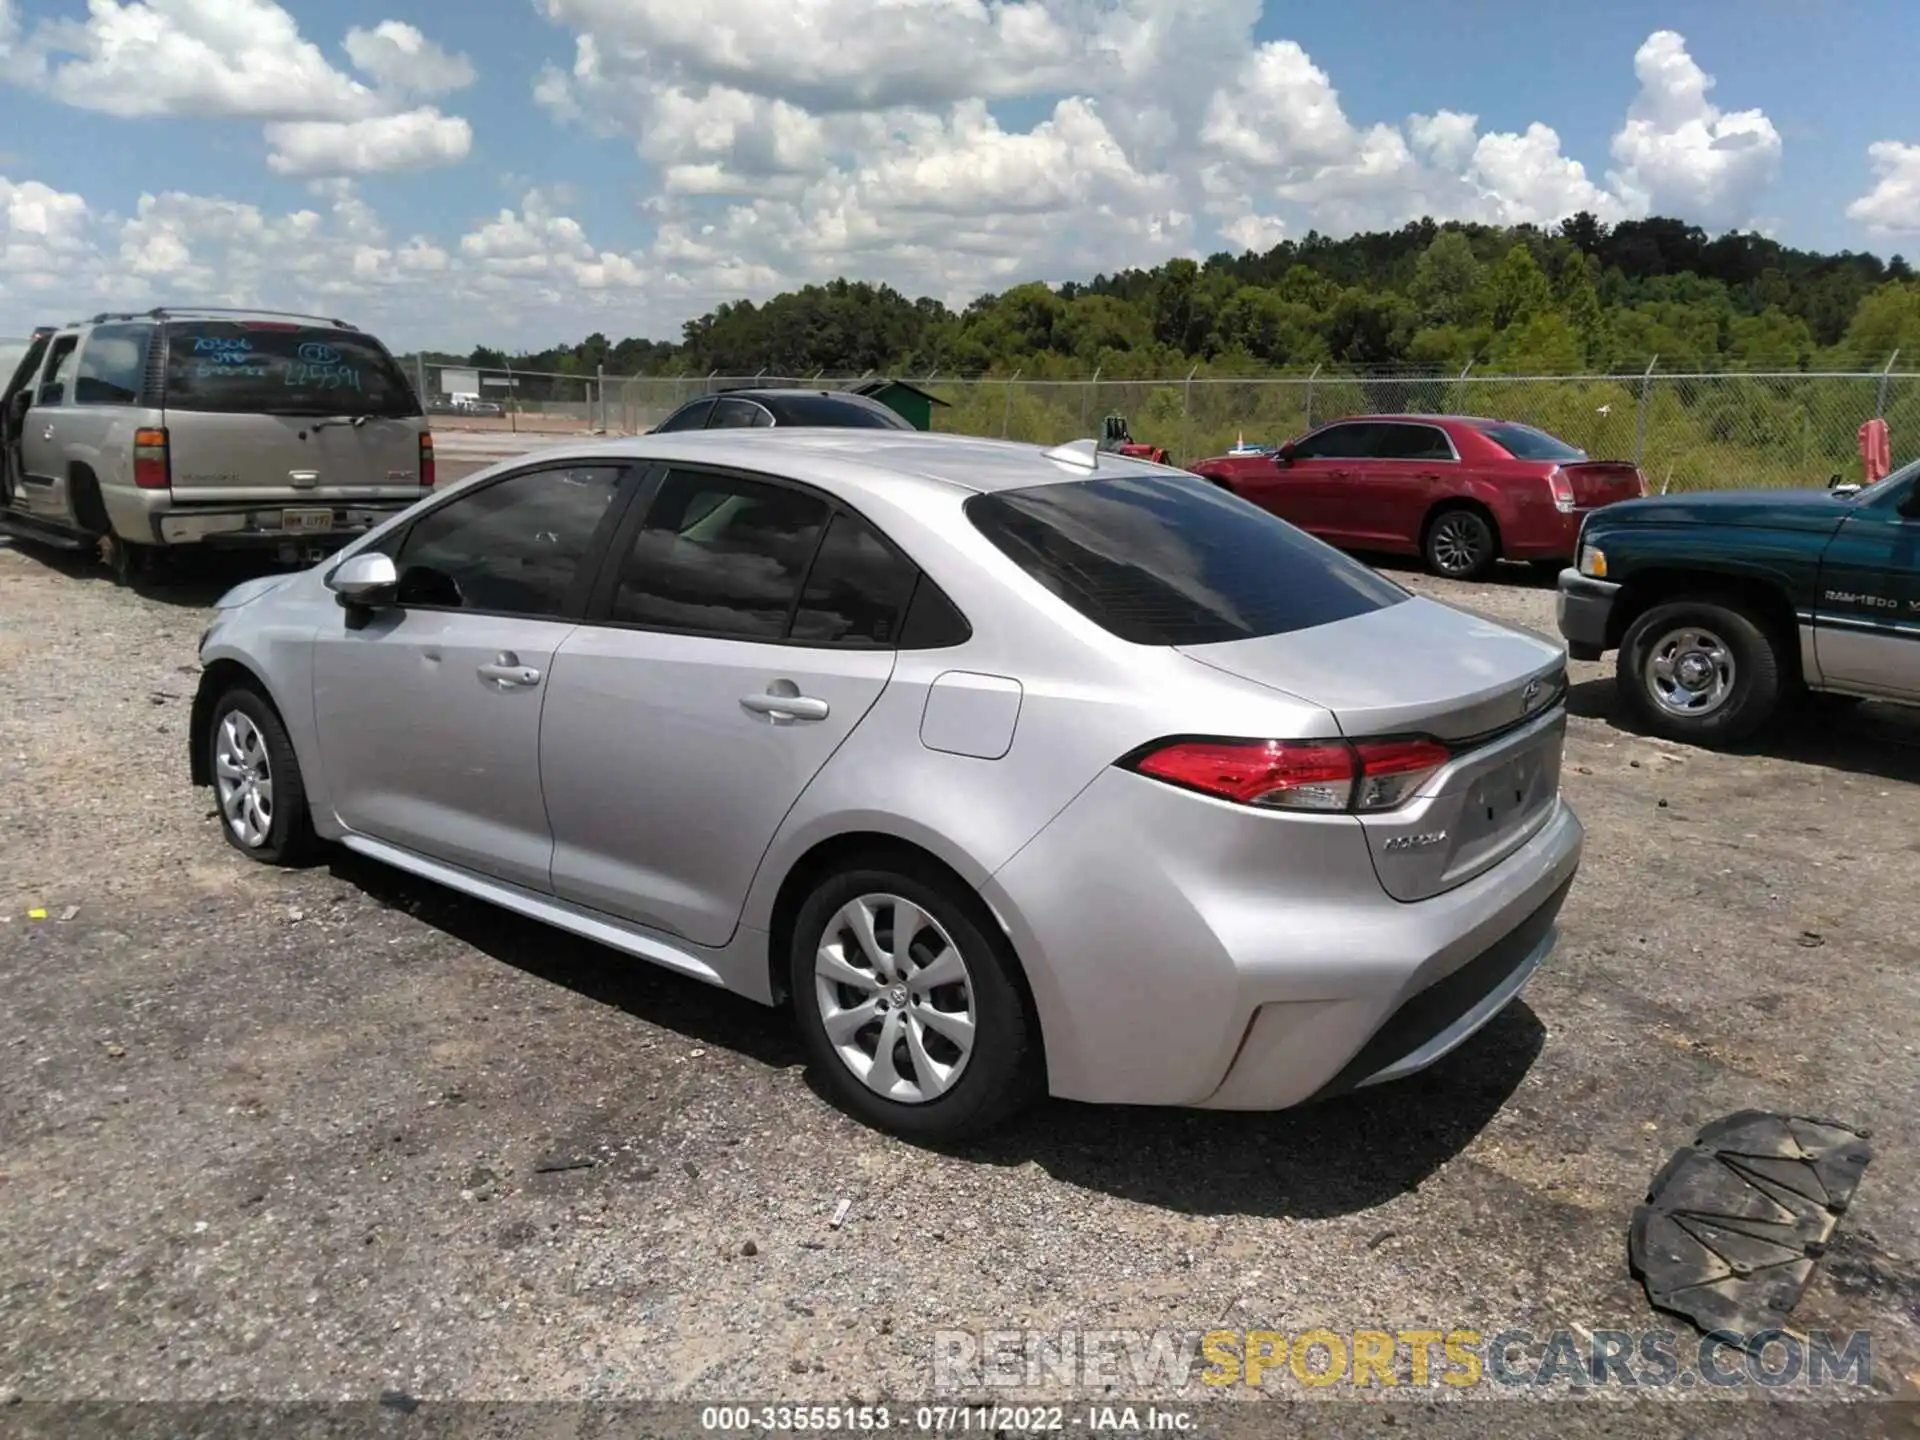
[(306, 522)]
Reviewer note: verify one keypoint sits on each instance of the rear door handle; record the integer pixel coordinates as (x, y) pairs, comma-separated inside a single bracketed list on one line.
[(47, 434), (787, 707), (506, 671)]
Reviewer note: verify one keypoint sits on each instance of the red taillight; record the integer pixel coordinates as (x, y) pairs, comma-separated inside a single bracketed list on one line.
[(1257, 772), (151, 470), (426, 461), (1560, 486), (1310, 775)]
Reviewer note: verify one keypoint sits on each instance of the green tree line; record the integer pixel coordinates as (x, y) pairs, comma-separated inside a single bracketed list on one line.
[(1582, 297)]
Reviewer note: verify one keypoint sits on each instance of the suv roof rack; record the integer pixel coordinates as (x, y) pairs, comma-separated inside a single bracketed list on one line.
[(169, 312)]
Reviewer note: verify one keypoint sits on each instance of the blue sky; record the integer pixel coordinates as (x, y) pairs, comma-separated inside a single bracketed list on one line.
[(524, 172)]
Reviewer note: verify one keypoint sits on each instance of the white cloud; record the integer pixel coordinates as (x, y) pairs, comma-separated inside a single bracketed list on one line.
[(246, 59), (944, 146), (414, 140), (402, 61), (1892, 207), (1680, 154)]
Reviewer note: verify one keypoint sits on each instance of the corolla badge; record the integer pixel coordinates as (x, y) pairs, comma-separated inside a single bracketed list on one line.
[(315, 353)]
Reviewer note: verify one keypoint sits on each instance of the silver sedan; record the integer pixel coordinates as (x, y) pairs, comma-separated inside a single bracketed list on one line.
[(1013, 771)]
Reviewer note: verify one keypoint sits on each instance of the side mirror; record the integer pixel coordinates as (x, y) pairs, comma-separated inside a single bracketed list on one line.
[(1284, 455), (368, 578)]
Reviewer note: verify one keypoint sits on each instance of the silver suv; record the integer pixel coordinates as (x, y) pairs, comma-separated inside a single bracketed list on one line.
[(224, 428)]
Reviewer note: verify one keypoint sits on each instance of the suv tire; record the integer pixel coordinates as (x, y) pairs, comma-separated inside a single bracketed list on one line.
[(1002, 1070), (1702, 670)]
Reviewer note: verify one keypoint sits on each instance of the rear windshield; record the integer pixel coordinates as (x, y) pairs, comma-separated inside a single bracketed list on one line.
[(1161, 560), (253, 368), (831, 410), (1523, 442)]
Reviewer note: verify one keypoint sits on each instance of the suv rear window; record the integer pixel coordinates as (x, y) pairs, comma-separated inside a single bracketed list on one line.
[(251, 367), (1167, 561), (1523, 442)]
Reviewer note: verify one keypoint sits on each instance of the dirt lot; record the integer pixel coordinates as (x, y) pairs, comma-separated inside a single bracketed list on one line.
[(335, 1132)]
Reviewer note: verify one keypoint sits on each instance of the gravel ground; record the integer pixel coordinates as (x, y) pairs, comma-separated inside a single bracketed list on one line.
[(332, 1133)]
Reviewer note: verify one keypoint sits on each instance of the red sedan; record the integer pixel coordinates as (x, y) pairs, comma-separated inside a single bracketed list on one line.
[(1459, 491)]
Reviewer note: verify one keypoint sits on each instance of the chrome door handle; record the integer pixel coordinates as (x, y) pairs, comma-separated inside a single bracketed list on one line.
[(786, 707), (47, 434), (506, 670)]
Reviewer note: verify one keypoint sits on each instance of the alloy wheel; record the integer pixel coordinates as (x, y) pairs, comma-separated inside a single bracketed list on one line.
[(243, 775), (896, 998), (1690, 672), (1459, 543)]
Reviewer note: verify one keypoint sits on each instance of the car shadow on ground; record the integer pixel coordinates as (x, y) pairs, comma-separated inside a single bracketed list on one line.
[(1870, 738), (1337, 1157), (192, 582), (1511, 574)]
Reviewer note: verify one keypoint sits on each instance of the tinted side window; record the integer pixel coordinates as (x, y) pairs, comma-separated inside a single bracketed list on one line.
[(511, 548), (856, 590), (720, 556), (53, 387), (1336, 442), (737, 415), (1169, 561), (1411, 442), (691, 416), (111, 365)]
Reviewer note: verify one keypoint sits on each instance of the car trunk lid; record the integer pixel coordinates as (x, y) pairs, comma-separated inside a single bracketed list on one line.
[(1603, 482), (1492, 694), (301, 414)]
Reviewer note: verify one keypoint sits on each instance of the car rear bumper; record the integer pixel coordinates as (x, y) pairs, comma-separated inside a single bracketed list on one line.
[(1585, 613), (1167, 975), (271, 526)]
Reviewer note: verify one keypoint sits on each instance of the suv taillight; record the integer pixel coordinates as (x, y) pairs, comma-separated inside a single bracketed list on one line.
[(426, 461), (1560, 486), (151, 470), (1322, 775)]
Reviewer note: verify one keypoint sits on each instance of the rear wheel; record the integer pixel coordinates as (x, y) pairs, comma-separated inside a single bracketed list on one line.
[(908, 1003), (1704, 671), (1460, 544), (129, 562)]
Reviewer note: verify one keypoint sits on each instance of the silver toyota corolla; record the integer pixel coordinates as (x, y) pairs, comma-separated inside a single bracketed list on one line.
[(1013, 770)]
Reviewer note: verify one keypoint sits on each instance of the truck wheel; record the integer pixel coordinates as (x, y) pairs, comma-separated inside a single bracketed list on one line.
[(1460, 544), (1702, 671), (130, 563)]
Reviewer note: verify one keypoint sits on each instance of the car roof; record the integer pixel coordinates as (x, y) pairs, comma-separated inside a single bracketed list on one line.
[(1478, 422), (848, 460), (779, 397)]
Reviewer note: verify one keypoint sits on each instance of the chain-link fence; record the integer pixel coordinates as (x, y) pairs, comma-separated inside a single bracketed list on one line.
[(1698, 431)]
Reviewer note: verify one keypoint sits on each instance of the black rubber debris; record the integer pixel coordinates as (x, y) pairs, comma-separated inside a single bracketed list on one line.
[(1735, 1223)]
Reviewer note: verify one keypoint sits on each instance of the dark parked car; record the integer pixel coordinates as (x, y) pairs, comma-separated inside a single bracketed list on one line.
[(1459, 491), (1724, 605), (748, 409)]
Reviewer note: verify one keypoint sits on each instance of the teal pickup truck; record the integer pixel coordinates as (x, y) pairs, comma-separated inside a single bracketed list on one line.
[(1724, 606)]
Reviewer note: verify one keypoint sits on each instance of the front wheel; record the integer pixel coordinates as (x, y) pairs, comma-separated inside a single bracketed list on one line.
[(257, 780), (908, 1004), (1460, 544), (1702, 671)]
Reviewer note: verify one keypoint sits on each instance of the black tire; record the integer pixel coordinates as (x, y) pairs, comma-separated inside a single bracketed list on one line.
[(1004, 1072), (289, 837), (130, 564), (1750, 696), (1460, 543)]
